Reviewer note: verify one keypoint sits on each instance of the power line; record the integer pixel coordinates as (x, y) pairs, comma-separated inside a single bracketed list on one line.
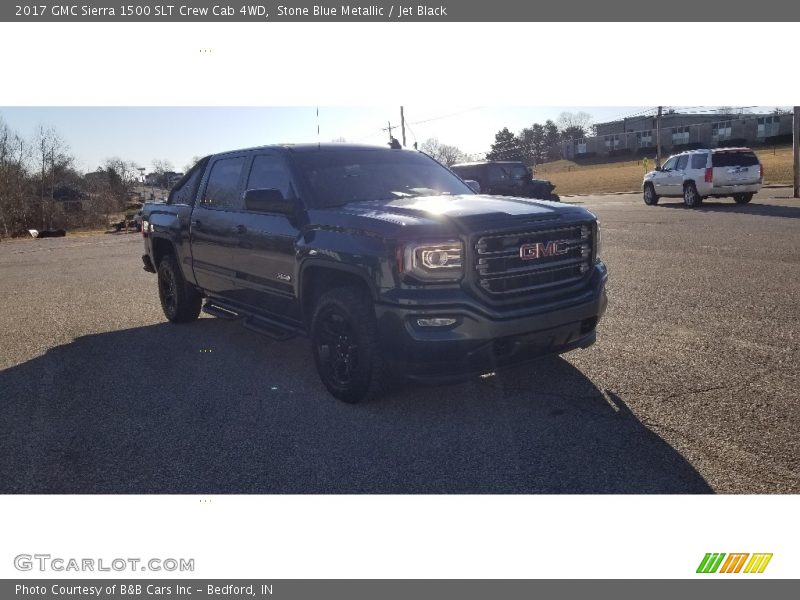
[(455, 114)]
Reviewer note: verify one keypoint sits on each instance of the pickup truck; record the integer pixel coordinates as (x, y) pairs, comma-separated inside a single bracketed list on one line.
[(392, 265)]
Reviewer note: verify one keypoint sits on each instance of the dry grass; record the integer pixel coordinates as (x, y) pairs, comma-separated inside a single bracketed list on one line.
[(572, 178)]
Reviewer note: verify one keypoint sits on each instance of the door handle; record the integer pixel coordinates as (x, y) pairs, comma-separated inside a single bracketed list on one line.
[(239, 230), (196, 223)]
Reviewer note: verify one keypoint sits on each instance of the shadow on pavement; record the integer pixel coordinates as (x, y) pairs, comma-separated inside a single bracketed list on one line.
[(761, 210), (212, 408)]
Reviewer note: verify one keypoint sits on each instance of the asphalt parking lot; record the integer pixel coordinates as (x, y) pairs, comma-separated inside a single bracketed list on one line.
[(692, 386)]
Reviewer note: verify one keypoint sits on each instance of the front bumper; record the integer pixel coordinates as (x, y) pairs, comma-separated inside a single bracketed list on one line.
[(481, 341)]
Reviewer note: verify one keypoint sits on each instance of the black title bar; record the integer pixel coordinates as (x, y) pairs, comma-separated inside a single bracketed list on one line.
[(666, 17)]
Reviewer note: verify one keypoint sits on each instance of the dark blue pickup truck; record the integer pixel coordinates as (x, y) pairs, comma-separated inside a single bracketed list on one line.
[(388, 261)]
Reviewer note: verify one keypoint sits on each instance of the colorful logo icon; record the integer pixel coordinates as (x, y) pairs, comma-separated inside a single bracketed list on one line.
[(734, 563)]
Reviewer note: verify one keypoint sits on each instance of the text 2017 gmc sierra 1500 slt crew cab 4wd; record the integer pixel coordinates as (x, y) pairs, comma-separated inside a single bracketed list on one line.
[(389, 262)]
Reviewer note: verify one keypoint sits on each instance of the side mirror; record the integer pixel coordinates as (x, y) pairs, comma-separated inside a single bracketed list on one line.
[(473, 185), (269, 200)]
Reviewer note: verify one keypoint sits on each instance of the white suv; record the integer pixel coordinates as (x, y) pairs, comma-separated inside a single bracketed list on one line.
[(698, 174)]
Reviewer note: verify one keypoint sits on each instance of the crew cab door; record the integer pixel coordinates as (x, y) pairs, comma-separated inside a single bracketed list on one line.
[(265, 258), (663, 180), (214, 231)]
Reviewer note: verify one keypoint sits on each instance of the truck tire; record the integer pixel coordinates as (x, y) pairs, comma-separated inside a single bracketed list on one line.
[(690, 196), (650, 197), (347, 352), (742, 198), (180, 301)]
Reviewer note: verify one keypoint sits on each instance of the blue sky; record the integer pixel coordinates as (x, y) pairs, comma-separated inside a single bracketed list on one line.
[(142, 134)]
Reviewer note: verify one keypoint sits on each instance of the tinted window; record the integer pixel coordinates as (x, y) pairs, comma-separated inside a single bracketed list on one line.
[(337, 177), (497, 173), (464, 172), (269, 172), (185, 190), (517, 172), (734, 159), (223, 183), (682, 162), (699, 161), (670, 164)]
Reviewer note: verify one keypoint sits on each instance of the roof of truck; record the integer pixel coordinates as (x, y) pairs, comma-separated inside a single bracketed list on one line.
[(324, 147)]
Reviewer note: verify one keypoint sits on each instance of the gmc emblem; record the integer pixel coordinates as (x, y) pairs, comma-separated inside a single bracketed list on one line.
[(543, 250)]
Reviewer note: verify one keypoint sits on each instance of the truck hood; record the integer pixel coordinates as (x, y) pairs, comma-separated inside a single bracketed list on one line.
[(460, 207)]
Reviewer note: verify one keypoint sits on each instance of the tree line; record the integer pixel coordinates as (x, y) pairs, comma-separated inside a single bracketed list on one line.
[(40, 187), (540, 142), (535, 144)]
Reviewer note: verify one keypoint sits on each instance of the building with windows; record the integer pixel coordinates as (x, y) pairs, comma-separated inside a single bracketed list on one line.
[(681, 131)]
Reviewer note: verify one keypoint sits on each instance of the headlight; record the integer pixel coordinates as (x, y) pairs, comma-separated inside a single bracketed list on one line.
[(435, 261)]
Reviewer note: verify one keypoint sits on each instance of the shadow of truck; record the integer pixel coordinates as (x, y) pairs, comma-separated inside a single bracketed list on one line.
[(212, 408)]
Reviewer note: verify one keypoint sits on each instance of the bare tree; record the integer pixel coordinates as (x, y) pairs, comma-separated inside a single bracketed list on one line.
[(188, 166), (125, 169), (575, 125), (446, 154), (52, 159), (161, 167), (14, 157)]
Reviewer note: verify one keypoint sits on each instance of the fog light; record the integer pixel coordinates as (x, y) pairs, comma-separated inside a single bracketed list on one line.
[(436, 322)]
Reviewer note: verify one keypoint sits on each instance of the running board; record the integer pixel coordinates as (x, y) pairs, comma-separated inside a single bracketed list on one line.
[(272, 329), (263, 325), (220, 312)]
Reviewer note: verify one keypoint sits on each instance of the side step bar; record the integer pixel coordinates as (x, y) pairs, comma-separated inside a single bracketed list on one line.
[(272, 329), (221, 312), (263, 325)]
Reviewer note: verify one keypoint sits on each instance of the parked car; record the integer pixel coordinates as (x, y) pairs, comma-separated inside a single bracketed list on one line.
[(390, 263), (707, 173), (506, 178)]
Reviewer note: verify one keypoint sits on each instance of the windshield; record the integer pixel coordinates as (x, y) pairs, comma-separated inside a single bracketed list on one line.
[(339, 177)]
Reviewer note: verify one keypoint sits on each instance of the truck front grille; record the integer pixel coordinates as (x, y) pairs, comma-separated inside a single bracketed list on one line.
[(530, 262)]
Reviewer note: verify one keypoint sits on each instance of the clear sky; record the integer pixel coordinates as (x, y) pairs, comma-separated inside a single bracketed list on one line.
[(142, 134)]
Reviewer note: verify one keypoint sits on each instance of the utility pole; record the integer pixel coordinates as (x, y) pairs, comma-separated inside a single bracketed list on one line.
[(658, 137), (403, 126), (796, 149), (390, 130)]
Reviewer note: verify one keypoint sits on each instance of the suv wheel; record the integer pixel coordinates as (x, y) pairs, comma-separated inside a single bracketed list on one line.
[(742, 198), (344, 336), (650, 197), (690, 196), (180, 301)]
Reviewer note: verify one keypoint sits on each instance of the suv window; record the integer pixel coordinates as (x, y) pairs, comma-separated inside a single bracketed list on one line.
[(269, 172), (223, 183), (497, 173), (185, 190), (670, 164), (699, 161), (682, 162), (734, 159)]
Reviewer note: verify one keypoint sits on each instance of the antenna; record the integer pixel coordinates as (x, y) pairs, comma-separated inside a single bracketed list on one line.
[(318, 144)]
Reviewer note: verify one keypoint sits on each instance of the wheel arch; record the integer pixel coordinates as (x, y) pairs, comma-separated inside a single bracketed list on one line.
[(320, 276), (161, 248)]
